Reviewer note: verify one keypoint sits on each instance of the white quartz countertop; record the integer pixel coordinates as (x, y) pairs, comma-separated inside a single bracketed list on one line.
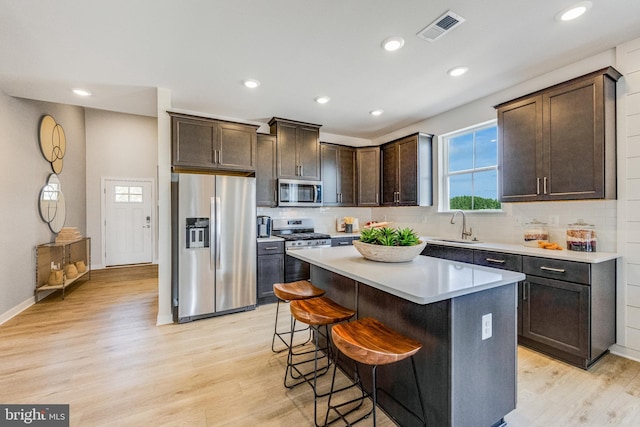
[(588, 257), (270, 239), (424, 280)]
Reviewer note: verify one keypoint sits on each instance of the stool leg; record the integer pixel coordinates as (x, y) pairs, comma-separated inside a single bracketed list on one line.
[(291, 331), (374, 371)]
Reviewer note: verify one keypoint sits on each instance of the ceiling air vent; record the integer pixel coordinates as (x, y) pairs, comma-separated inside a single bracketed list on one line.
[(441, 26)]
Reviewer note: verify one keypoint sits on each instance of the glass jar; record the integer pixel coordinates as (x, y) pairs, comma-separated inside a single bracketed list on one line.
[(534, 232), (581, 237)]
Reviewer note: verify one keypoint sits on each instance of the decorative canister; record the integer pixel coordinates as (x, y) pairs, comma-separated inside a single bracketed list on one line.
[(81, 266), (581, 237), (55, 278), (534, 232), (70, 271)]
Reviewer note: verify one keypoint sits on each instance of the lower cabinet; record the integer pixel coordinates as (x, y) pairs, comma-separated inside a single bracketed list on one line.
[(270, 269), (566, 309)]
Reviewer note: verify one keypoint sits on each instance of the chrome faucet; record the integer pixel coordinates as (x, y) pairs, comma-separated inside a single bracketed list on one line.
[(465, 233)]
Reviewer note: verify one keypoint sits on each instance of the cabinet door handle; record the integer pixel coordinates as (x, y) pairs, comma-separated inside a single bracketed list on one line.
[(544, 185), (343, 243), (301, 171), (524, 291), (377, 202), (270, 248), (495, 261), (537, 185), (553, 270)]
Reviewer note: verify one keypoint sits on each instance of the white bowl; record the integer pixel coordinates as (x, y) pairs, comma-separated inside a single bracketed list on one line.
[(389, 253)]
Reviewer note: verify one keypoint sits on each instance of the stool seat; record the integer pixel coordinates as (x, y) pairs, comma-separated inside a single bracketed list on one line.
[(371, 342), (319, 311), (301, 289)]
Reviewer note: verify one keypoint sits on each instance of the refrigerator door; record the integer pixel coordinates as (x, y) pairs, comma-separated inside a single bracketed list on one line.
[(196, 278), (235, 242)]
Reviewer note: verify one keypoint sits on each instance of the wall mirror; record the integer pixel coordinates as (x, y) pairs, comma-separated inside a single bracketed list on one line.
[(52, 204)]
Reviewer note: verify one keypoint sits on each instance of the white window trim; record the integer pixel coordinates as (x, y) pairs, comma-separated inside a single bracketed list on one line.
[(443, 156)]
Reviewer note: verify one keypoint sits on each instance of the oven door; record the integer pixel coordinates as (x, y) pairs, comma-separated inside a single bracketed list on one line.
[(299, 193)]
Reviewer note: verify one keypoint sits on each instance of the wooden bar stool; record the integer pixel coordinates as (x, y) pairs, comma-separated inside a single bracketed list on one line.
[(302, 289), (319, 312), (370, 342)]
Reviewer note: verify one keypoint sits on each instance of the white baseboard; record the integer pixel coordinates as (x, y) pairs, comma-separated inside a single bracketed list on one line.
[(626, 352), (164, 319), (17, 310)]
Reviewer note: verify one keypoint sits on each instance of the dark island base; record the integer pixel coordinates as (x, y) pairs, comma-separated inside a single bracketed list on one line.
[(465, 381)]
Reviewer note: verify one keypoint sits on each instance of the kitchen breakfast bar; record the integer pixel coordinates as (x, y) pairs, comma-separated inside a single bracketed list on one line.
[(464, 315)]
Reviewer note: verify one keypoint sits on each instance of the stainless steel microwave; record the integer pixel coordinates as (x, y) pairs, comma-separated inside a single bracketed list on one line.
[(299, 193)]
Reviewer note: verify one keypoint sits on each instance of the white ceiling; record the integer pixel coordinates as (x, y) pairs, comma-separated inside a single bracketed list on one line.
[(201, 50)]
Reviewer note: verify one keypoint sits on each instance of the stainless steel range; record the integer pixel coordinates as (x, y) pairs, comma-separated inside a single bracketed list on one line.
[(298, 234)]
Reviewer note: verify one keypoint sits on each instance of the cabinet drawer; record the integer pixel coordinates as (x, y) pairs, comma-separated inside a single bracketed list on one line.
[(511, 262), (448, 252), (268, 248), (570, 271), (343, 241)]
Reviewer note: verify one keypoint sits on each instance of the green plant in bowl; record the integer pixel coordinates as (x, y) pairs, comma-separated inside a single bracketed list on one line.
[(387, 236)]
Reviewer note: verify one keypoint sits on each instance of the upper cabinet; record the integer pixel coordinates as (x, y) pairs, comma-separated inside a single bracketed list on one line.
[(338, 175), (298, 149), (559, 143), (368, 176), (206, 144), (266, 175), (407, 171)]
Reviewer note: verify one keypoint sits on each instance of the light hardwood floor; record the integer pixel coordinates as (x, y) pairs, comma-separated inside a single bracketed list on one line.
[(100, 351)]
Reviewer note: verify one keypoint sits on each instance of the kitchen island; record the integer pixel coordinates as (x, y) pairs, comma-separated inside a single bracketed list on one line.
[(464, 315)]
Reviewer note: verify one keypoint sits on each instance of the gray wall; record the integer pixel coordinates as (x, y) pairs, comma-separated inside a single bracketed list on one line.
[(24, 172)]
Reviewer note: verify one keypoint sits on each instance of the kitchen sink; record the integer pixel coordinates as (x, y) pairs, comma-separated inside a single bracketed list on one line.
[(466, 242)]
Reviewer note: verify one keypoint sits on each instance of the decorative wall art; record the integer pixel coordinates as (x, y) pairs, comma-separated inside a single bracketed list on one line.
[(53, 144)]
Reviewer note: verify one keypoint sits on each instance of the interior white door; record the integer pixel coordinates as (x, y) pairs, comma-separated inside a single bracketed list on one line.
[(128, 222)]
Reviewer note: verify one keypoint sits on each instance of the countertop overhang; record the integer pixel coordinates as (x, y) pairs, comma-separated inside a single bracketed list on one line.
[(424, 280)]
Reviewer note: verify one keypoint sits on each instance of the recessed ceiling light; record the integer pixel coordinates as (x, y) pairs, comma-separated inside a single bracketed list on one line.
[(81, 92), (574, 11), (322, 99), (251, 83), (376, 112), (392, 43), (457, 71)]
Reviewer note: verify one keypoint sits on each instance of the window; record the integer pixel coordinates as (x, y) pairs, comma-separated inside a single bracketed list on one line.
[(469, 164), (125, 194)]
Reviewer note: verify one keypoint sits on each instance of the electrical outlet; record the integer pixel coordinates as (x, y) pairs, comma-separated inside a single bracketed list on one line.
[(487, 327)]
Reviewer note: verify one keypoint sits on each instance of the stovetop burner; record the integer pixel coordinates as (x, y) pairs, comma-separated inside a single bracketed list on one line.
[(304, 236)]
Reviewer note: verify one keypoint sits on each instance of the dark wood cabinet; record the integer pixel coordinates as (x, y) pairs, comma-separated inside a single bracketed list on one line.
[(338, 175), (270, 269), (266, 175), (568, 309), (407, 171), (343, 241), (448, 252), (298, 149), (368, 176), (200, 143), (559, 143)]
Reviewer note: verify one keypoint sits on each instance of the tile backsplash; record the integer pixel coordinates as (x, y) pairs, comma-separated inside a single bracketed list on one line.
[(502, 227)]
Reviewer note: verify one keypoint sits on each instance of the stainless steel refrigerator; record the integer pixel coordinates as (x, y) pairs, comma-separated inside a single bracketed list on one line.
[(214, 245)]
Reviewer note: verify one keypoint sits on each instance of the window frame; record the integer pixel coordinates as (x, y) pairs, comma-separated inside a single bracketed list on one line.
[(443, 167)]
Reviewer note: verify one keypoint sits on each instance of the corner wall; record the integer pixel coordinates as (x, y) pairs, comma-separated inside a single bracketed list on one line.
[(24, 172)]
